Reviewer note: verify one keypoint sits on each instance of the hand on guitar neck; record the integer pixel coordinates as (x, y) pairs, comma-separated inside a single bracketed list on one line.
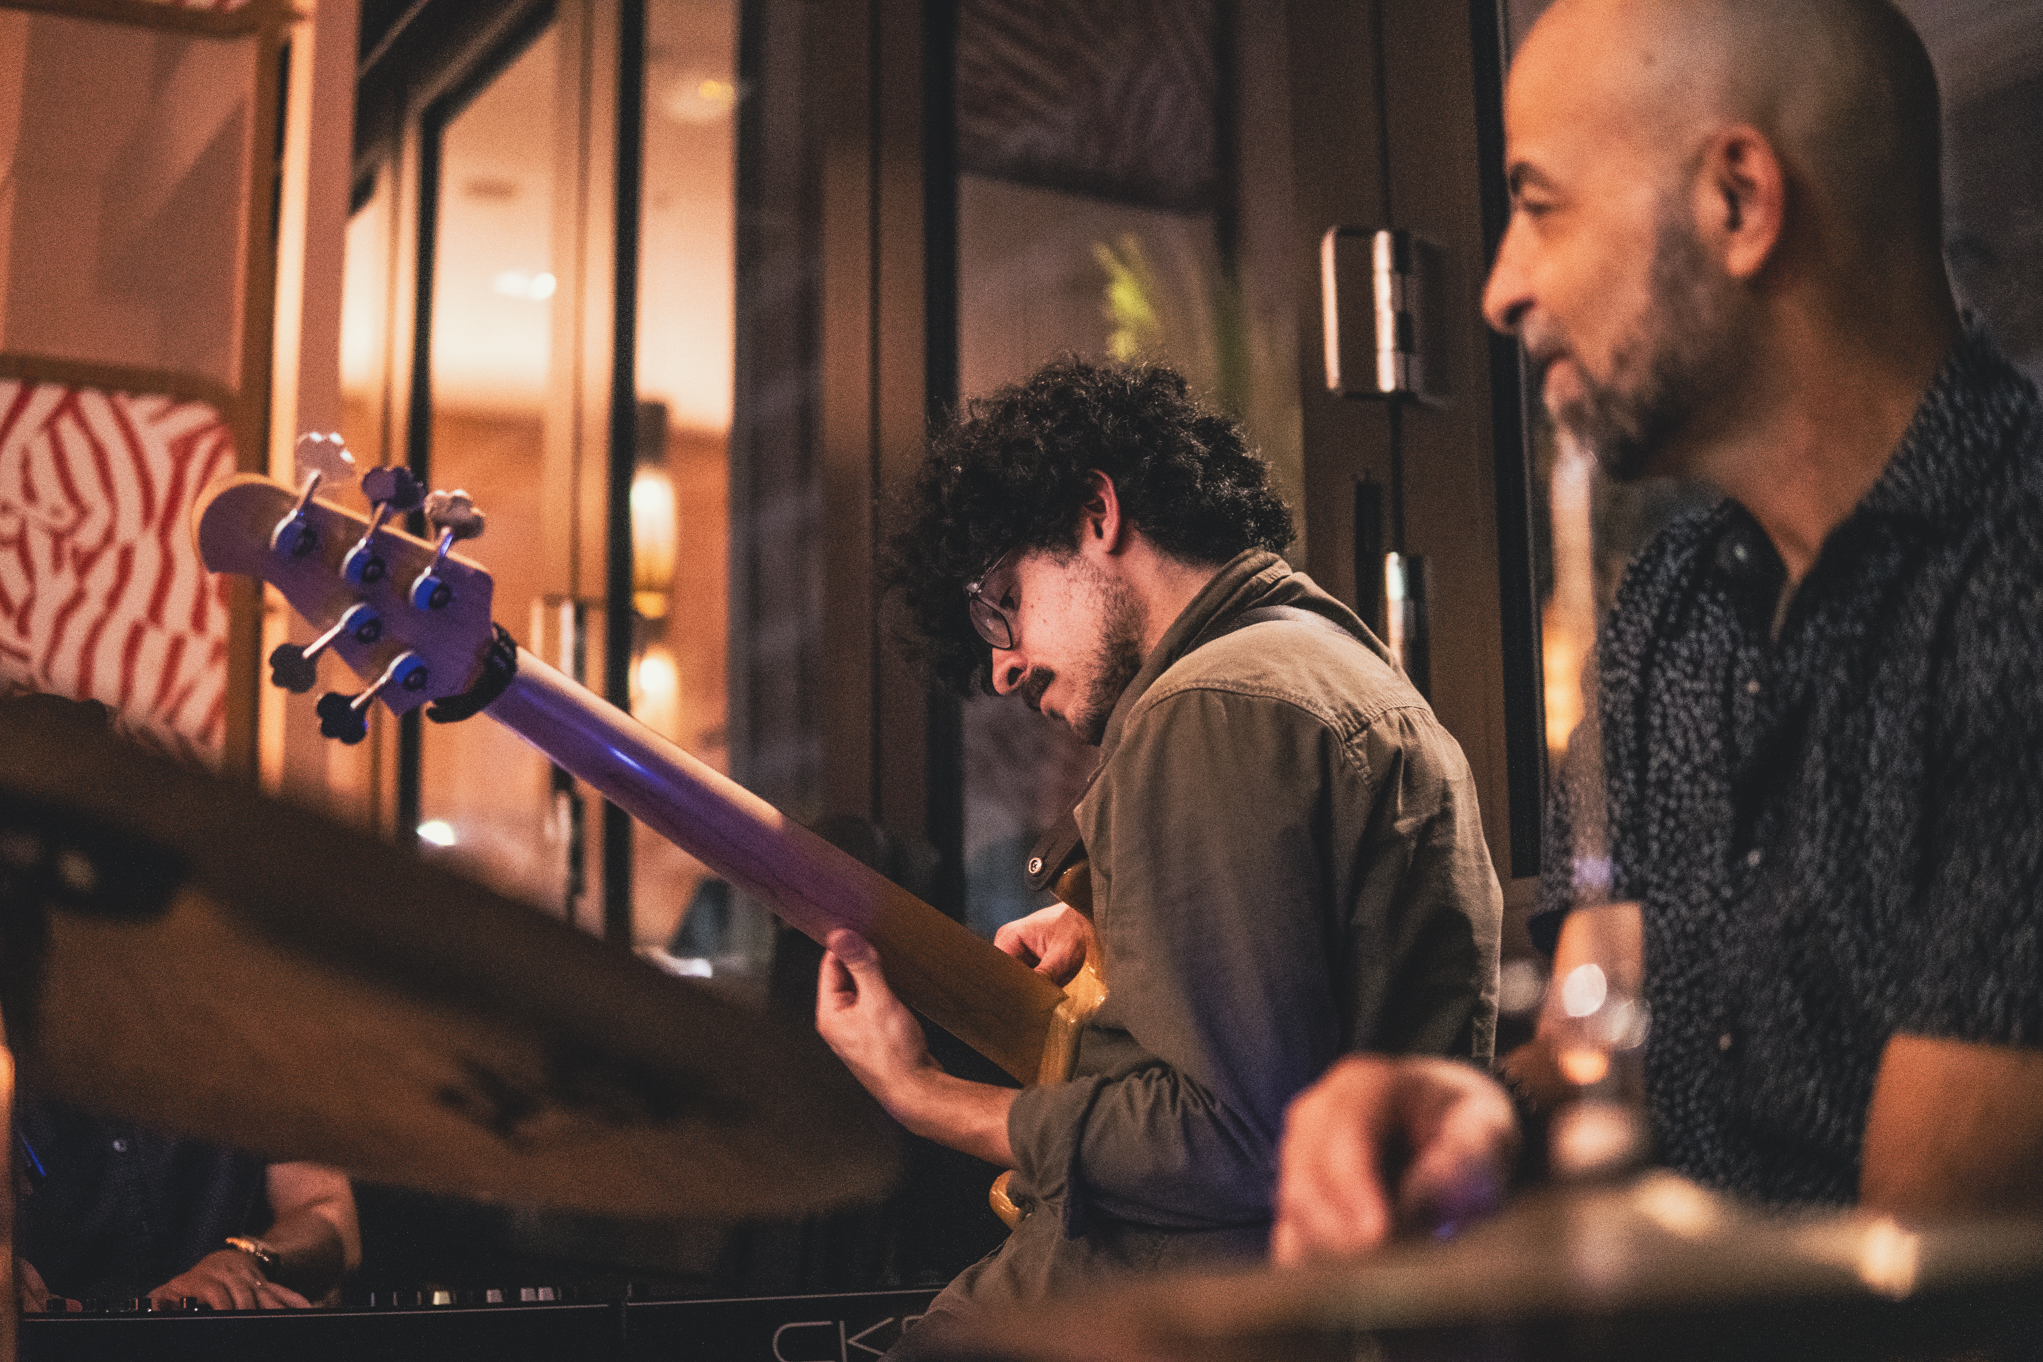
[(881, 1043), (1054, 941)]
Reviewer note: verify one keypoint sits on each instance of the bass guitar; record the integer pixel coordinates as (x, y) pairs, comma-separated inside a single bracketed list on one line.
[(412, 619)]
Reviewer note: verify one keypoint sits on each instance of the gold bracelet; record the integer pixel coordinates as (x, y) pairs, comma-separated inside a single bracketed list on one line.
[(266, 1258)]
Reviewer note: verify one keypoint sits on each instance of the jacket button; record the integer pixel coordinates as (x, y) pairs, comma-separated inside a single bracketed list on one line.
[(1035, 865)]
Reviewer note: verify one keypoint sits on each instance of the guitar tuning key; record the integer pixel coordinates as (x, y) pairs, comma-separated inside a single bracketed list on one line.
[(388, 489), (294, 533), (455, 516), (295, 668), (323, 452), (346, 716)]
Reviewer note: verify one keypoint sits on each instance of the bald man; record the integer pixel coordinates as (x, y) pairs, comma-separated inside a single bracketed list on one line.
[(1822, 699)]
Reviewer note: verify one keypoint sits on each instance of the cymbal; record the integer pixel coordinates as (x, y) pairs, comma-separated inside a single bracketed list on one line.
[(183, 953), (1646, 1262)]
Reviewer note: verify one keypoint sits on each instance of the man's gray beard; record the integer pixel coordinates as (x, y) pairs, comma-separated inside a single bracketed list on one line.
[(1115, 662), (1678, 359)]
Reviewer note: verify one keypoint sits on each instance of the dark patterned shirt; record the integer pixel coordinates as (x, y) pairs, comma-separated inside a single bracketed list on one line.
[(1837, 834)]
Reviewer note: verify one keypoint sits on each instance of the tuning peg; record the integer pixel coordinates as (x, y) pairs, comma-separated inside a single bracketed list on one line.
[(455, 516), (389, 489), (393, 485), (294, 533), (291, 669), (454, 513), (345, 716), (338, 718), (295, 668), (324, 452)]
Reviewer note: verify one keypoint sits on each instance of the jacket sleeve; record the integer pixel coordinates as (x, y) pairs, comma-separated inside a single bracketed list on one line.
[(1223, 924)]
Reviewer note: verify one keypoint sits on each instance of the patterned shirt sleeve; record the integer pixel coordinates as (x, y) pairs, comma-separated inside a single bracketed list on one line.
[(1979, 959)]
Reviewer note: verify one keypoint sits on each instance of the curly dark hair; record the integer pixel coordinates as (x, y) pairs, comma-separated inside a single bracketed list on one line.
[(1014, 470)]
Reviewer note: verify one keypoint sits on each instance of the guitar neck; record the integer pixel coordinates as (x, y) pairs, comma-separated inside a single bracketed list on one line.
[(303, 546), (981, 995)]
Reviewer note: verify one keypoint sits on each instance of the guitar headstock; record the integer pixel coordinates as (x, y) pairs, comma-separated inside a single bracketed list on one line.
[(397, 609)]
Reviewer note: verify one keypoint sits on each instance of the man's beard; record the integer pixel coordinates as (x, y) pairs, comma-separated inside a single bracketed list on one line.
[(1114, 664), (1679, 358), (1116, 659)]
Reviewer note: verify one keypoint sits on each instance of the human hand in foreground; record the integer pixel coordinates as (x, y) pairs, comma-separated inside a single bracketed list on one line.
[(880, 1041), (1385, 1144), (1055, 940), (228, 1279), (35, 1296)]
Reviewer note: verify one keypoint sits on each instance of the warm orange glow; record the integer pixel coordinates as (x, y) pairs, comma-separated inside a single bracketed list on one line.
[(656, 689), (1568, 625), (1583, 1067), (1889, 1258), (1564, 651), (655, 541)]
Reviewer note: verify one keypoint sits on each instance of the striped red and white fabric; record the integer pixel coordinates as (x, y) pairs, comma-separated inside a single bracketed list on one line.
[(102, 595)]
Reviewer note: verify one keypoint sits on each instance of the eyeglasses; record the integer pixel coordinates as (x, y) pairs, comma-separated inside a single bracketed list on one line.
[(989, 620)]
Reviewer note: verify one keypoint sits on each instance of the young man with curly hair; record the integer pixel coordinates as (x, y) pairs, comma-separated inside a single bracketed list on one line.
[(1287, 858)]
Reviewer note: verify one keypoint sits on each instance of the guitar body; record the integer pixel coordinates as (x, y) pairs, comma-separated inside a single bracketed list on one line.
[(991, 1001)]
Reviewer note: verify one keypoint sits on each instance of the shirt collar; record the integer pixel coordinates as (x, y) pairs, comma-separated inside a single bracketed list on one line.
[(1945, 471), (1241, 582), (1946, 465)]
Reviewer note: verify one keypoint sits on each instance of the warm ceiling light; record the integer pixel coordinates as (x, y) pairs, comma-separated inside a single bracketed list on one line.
[(535, 288), (697, 98), (655, 540)]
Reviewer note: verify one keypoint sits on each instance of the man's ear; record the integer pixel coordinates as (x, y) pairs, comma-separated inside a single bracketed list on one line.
[(1741, 200), (1099, 518)]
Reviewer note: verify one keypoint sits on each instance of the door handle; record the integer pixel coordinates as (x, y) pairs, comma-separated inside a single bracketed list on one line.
[(1373, 292)]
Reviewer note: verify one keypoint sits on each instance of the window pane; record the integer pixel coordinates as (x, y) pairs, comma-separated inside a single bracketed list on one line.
[(681, 492), (1102, 211), (487, 801)]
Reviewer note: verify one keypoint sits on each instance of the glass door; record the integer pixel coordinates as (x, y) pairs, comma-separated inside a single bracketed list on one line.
[(540, 312), (487, 802)]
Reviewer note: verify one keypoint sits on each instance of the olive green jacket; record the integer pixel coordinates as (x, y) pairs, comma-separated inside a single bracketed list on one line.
[(1287, 863)]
